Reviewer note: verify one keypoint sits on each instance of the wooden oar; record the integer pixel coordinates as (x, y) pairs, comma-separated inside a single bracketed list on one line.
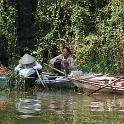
[(48, 73), (55, 69), (40, 78), (104, 86)]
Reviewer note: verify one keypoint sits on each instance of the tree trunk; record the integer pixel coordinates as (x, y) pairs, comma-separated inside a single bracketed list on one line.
[(24, 21)]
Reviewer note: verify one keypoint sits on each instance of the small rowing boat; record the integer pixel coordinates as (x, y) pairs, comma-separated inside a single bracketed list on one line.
[(3, 79), (53, 81), (3, 82)]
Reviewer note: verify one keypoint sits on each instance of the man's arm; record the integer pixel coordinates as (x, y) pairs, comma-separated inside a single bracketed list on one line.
[(37, 66), (18, 67)]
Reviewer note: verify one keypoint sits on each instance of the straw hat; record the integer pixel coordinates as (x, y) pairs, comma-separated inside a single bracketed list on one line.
[(27, 59)]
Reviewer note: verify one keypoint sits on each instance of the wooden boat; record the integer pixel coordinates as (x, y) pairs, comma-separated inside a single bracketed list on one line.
[(53, 81), (88, 84), (3, 82), (50, 80), (3, 79)]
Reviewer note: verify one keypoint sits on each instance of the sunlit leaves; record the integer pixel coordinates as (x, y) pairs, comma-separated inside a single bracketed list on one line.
[(93, 29)]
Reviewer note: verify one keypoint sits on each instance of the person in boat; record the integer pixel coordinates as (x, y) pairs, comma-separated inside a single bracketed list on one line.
[(63, 62), (28, 67)]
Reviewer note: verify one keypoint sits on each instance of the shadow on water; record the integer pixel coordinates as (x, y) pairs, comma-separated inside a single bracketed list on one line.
[(60, 107)]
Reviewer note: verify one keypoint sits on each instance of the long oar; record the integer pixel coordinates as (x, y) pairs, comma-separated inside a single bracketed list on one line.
[(55, 69), (40, 78), (104, 86)]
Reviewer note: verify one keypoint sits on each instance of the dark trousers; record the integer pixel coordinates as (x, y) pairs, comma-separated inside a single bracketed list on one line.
[(30, 82), (59, 67)]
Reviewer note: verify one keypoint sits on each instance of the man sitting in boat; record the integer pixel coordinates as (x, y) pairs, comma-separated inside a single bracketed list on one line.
[(28, 66), (63, 62)]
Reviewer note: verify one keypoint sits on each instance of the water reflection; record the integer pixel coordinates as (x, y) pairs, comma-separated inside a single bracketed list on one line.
[(28, 105), (107, 104), (97, 106), (3, 100), (63, 107), (61, 104)]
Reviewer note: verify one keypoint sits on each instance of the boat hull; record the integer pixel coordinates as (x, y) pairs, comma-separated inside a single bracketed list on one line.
[(60, 84), (87, 88), (56, 84), (3, 82)]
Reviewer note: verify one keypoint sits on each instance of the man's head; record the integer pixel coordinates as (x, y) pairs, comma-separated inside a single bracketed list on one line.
[(66, 51)]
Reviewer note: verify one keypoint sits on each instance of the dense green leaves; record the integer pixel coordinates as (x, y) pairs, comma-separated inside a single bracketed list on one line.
[(94, 31)]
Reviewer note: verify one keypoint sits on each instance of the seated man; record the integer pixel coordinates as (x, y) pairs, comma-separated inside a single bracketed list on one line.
[(63, 62), (27, 67)]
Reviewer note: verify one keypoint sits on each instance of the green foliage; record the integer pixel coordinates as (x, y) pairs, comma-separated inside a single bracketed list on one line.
[(53, 26), (15, 81), (93, 29), (7, 20), (110, 31)]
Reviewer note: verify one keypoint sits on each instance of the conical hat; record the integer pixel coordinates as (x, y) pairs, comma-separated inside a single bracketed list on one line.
[(27, 59)]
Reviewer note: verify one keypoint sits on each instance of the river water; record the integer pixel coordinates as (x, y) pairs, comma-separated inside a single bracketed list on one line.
[(60, 107)]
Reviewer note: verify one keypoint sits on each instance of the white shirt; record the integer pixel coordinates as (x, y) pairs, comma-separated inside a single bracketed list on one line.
[(27, 71)]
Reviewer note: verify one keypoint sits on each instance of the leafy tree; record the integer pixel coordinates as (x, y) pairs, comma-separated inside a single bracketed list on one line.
[(93, 29)]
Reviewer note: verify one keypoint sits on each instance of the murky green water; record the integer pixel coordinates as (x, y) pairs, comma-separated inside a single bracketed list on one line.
[(60, 107)]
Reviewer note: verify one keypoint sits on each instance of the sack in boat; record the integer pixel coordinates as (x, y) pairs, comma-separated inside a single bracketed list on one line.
[(76, 73)]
